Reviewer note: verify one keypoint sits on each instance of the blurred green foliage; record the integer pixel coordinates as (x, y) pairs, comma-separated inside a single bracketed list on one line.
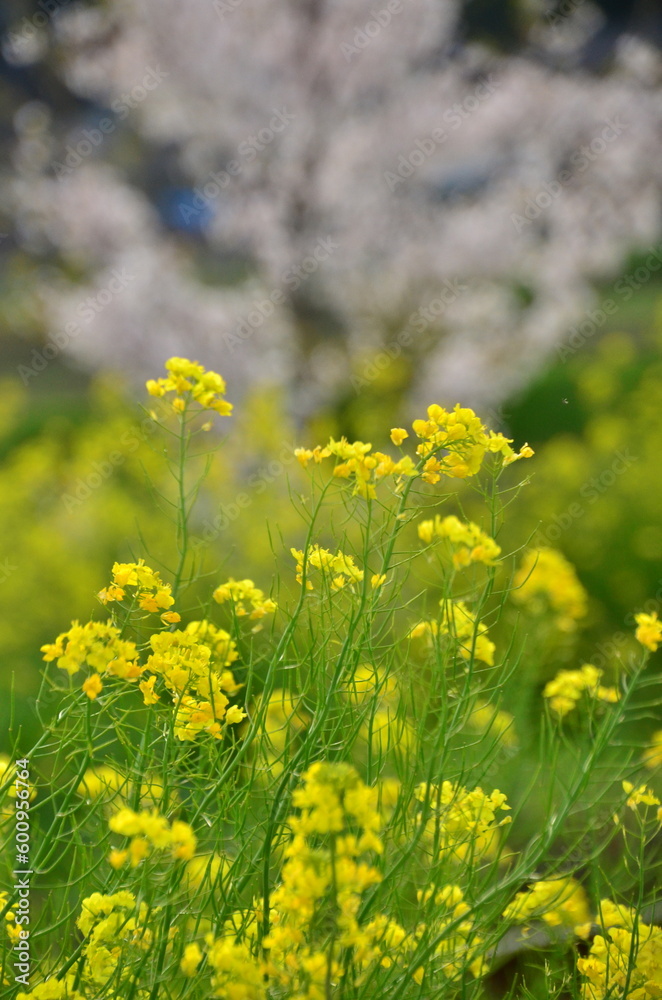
[(594, 420)]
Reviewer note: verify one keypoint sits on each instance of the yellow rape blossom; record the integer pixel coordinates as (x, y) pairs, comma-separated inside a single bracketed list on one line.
[(92, 686), (96, 645), (339, 570), (191, 959), (198, 683), (462, 821), (567, 688), (191, 382), (52, 989), (467, 542), (236, 974), (460, 625), (625, 961), (145, 585), (545, 581), (11, 927), (221, 644), (652, 755), (641, 796), (649, 630), (453, 443), (461, 435), (559, 902), (241, 591), (111, 925), (449, 917), (325, 873), (357, 461), (150, 831)]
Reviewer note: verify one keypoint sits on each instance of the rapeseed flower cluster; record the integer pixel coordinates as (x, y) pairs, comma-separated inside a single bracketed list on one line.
[(190, 382), (467, 542), (53, 989), (460, 626), (566, 690), (360, 463), (314, 933), (150, 831), (452, 444), (559, 902), (112, 925), (546, 581), (462, 435), (242, 591), (192, 663), (315, 909), (339, 569), (143, 587), (97, 646), (450, 921), (12, 929), (641, 796), (115, 936), (199, 685), (460, 822), (649, 630), (625, 960), (220, 643)]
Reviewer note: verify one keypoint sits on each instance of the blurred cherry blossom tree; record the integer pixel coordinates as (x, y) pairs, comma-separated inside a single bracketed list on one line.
[(323, 183)]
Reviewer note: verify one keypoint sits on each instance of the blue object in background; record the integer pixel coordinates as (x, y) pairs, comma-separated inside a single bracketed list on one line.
[(184, 210)]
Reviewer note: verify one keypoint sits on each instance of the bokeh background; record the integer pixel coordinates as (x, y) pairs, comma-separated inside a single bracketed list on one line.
[(350, 209)]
